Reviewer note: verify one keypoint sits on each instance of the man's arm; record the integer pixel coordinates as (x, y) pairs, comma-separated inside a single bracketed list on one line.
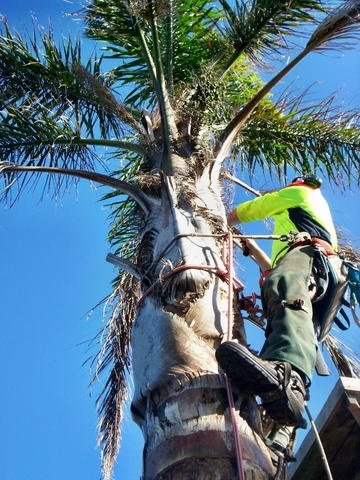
[(232, 218), (254, 251), (258, 255), (263, 207)]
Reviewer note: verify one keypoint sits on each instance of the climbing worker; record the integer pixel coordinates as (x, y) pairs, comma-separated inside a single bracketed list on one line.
[(282, 373)]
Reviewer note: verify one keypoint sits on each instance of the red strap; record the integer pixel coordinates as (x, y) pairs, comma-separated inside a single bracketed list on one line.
[(263, 275), (324, 246)]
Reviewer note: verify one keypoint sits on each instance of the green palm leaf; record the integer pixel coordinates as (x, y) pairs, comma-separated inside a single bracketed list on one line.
[(41, 139), (337, 25), (38, 138), (259, 27), (307, 139), (186, 38), (40, 73)]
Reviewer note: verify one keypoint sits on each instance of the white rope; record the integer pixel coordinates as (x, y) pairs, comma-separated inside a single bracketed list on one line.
[(320, 445)]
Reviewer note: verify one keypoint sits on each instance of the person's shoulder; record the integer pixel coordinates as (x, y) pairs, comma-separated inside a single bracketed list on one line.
[(298, 189), (296, 193)]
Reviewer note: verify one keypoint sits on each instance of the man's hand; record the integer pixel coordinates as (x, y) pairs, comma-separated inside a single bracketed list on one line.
[(232, 218)]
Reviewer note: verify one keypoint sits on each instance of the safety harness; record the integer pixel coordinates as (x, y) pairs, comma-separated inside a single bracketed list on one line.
[(338, 286), (337, 282)]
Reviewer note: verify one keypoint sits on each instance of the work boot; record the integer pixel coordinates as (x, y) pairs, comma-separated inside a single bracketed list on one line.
[(281, 441), (281, 389)]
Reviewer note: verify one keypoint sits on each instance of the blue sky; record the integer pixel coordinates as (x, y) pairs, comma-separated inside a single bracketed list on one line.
[(52, 273)]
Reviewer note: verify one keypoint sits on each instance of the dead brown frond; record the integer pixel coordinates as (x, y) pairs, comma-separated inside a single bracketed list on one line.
[(150, 182), (341, 24), (114, 360), (346, 248), (350, 253), (347, 364), (148, 8)]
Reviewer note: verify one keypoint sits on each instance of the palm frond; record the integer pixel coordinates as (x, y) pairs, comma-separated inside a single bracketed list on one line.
[(196, 39), (107, 107), (37, 71), (48, 133), (125, 216), (186, 36), (116, 23), (315, 138), (342, 23), (345, 360), (259, 27), (141, 20), (336, 25), (120, 186), (42, 139), (168, 124), (114, 359)]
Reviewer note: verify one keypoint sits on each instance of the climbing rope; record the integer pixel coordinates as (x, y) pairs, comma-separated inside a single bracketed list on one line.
[(218, 271), (228, 258), (282, 238), (320, 445), (181, 268)]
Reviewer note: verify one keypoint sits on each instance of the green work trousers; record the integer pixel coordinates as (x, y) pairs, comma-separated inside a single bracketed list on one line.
[(287, 305)]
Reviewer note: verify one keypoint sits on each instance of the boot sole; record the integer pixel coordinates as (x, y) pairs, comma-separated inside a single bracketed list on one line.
[(254, 376), (248, 371)]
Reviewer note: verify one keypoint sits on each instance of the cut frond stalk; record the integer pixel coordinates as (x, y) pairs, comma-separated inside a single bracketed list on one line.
[(124, 264), (241, 183)]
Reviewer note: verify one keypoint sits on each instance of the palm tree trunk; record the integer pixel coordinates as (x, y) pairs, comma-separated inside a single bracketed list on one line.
[(180, 400), (189, 434), (184, 413)]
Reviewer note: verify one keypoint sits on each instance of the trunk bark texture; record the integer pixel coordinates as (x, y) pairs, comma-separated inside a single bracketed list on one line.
[(180, 399)]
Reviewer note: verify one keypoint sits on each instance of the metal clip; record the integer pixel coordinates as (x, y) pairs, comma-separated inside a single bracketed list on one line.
[(297, 237), (296, 304)]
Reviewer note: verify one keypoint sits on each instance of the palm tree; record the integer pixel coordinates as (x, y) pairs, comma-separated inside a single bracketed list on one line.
[(193, 106)]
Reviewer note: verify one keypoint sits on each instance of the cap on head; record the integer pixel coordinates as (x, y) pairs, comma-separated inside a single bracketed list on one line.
[(309, 179)]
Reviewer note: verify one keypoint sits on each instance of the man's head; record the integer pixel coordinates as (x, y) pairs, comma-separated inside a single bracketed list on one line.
[(308, 179)]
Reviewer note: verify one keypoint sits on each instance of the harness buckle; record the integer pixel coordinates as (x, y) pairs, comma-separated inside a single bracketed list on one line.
[(299, 238)]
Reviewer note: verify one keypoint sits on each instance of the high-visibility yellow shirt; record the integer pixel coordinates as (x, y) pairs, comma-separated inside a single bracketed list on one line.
[(295, 208)]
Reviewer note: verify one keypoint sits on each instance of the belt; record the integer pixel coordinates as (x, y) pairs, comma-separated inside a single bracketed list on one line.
[(316, 242)]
